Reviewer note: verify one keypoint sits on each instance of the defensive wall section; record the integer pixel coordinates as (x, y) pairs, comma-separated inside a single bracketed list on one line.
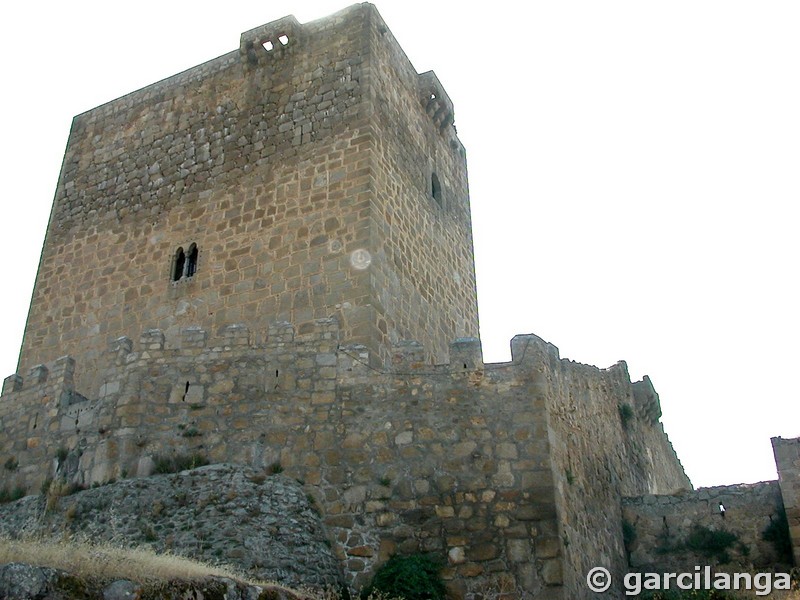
[(722, 525), (744, 526), (606, 443), (787, 458), (460, 459)]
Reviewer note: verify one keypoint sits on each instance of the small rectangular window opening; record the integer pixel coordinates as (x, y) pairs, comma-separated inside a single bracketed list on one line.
[(436, 189)]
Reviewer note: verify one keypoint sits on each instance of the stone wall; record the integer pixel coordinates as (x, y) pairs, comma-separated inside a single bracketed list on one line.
[(455, 459), (670, 533), (423, 241), (606, 443), (416, 458), (269, 162), (787, 458)]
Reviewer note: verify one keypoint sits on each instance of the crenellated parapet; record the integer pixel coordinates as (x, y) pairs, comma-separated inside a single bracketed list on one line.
[(437, 103), (270, 41), (647, 401), (58, 374)]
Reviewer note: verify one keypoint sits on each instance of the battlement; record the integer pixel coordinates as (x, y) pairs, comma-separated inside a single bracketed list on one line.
[(437, 103), (194, 343), (270, 41), (58, 372)]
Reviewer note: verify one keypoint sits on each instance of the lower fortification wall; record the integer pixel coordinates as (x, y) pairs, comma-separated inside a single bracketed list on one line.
[(720, 526), (787, 459), (472, 462)]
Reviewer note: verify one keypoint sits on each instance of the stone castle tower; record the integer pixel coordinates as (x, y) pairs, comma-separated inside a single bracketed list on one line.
[(310, 174)]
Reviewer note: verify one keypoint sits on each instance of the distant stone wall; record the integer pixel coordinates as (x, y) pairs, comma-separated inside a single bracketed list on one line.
[(787, 458), (674, 533)]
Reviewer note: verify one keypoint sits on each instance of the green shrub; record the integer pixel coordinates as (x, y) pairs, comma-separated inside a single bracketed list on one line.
[(570, 476), (276, 468), (710, 543), (625, 414), (414, 577), (628, 535), (777, 533), (9, 496), (11, 464)]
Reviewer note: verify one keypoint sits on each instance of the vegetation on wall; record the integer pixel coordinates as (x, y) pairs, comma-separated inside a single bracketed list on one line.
[(414, 577), (710, 543), (777, 533), (705, 542), (625, 414), (628, 535), (178, 462), (7, 495)]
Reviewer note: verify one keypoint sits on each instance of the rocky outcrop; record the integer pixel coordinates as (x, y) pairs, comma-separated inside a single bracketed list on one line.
[(28, 582), (264, 526)]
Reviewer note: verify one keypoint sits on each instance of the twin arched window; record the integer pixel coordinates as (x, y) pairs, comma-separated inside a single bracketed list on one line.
[(184, 265)]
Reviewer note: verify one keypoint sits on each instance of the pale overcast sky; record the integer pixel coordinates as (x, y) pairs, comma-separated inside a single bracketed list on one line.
[(634, 174)]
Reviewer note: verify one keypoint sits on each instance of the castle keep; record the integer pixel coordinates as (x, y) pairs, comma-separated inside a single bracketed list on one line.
[(267, 259), (319, 178)]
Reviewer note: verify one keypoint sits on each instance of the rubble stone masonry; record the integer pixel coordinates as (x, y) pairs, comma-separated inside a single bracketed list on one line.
[(787, 457), (456, 459)]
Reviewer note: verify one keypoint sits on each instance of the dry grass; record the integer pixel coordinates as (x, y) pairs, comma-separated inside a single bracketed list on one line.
[(105, 561)]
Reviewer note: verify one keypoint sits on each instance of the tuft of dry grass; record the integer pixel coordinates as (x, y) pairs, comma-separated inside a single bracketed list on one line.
[(102, 561)]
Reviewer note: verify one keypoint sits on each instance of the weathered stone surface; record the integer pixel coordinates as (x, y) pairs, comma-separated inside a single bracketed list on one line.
[(25, 582), (264, 526), (28, 582), (122, 589), (787, 459), (662, 524)]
